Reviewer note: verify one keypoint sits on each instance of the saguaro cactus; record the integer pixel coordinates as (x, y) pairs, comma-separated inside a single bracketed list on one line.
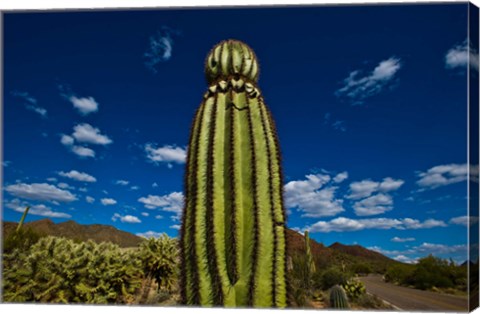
[(233, 229), (309, 257)]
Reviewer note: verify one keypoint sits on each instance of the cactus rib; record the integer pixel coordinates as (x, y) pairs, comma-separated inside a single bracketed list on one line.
[(233, 227)]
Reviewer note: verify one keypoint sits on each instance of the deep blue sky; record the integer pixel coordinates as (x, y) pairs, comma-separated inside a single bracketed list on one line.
[(370, 103)]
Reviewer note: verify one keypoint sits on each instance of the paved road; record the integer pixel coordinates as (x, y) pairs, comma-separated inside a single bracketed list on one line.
[(413, 299)]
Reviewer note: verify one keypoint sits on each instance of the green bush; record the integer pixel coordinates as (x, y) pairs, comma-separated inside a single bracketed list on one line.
[(354, 289), (159, 260), (329, 278), (430, 272), (21, 239), (57, 270)]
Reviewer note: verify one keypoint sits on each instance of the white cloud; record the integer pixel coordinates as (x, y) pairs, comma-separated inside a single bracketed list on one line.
[(126, 218), (134, 188), (401, 240), (84, 105), (461, 55), (357, 87), (67, 140), (30, 103), (373, 205), (144, 214), (78, 176), (464, 220), (154, 184), (443, 175), (150, 234), (176, 227), (167, 154), (338, 125), (172, 202), (425, 249), (83, 151), (41, 111), (108, 201), (405, 259), (365, 188), (89, 199), (160, 48), (312, 197), (342, 224), (40, 192), (64, 185), (25, 96), (342, 176), (85, 133), (36, 210), (122, 182)]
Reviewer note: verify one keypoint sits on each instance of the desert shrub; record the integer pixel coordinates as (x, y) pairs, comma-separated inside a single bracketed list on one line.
[(58, 270), (329, 278), (354, 289), (428, 273), (361, 268), (21, 239), (160, 260), (368, 301), (399, 273)]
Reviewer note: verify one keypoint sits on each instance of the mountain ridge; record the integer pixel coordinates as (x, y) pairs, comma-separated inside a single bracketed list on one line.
[(323, 255)]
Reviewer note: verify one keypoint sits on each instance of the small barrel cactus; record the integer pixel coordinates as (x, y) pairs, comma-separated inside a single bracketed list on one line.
[(233, 230), (338, 298)]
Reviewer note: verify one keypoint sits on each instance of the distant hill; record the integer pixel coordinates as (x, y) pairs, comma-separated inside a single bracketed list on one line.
[(338, 254), (335, 254), (72, 230), (359, 251)]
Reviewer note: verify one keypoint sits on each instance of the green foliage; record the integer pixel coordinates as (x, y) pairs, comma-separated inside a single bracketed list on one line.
[(428, 273), (361, 268), (21, 239), (330, 277), (159, 260), (57, 270), (233, 241), (354, 289), (338, 298), (399, 273)]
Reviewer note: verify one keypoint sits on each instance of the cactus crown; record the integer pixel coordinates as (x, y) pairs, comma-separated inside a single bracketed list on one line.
[(231, 57)]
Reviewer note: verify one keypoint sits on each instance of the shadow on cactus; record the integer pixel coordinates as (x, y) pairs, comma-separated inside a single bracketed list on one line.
[(233, 229)]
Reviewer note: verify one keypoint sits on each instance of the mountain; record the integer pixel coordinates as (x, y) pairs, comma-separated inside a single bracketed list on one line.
[(72, 230), (359, 251), (335, 254), (338, 254)]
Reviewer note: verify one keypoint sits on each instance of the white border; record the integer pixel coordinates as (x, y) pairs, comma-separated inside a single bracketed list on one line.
[(105, 4), (6, 5)]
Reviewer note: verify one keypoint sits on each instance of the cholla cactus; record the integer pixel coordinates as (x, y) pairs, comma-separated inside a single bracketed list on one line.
[(233, 230), (354, 288)]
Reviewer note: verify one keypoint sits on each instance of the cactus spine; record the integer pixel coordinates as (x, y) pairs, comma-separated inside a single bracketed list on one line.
[(233, 229), (338, 298)]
